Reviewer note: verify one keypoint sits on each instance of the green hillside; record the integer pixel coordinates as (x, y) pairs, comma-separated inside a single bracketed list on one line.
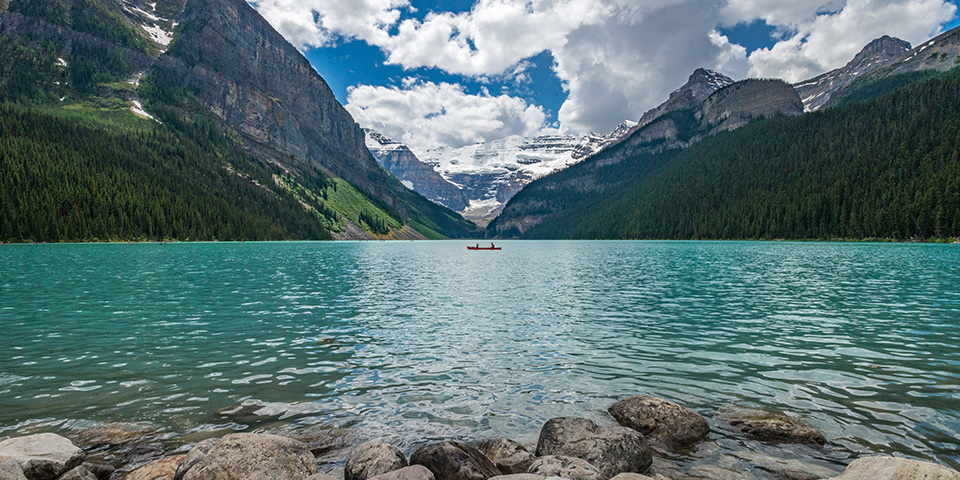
[(887, 168)]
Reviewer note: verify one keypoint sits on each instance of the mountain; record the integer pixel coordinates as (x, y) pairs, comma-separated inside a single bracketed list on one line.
[(701, 84), (216, 73), (728, 108), (816, 92), (885, 168), (490, 173), (414, 174)]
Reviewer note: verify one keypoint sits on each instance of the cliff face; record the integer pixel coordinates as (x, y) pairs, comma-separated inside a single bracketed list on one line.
[(249, 76), (747, 100), (701, 84), (817, 91)]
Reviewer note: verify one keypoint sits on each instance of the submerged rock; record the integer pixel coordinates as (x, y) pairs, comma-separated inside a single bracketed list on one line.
[(892, 468), (509, 456), (44, 456), (454, 461), (250, 456), (612, 450), (413, 472), (773, 426), (163, 469), (661, 421), (371, 459), (116, 434), (572, 468)]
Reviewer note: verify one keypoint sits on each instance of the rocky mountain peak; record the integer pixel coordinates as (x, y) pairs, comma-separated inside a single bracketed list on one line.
[(885, 46), (700, 85)]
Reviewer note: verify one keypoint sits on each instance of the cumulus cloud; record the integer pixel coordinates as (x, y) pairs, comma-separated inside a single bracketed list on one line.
[(614, 58), (424, 115)]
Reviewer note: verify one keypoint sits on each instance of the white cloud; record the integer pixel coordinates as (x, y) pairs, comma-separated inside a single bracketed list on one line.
[(424, 115), (827, 41)]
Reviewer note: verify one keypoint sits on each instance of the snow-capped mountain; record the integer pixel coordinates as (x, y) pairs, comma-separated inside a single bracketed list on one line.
[(817, 91), (487, 174)]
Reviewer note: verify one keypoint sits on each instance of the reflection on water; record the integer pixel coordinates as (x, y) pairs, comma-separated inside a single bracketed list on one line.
[(415, 341)]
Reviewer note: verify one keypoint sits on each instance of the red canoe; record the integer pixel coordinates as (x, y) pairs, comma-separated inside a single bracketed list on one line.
[(483, 248)]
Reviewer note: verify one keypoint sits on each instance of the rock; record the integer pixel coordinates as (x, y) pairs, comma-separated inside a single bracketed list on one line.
[(10, 469), (612, 450), (251, 456), (631, 476), (78, 473), (371, 459), (413, 472), (519, 476), (163, 469), (567, 467), (197, 453), (111, 434), (44, 456), (892, 468), (774, 426), (322, 476), (661, 421), (509, 456), (100, 470), (452, 460)]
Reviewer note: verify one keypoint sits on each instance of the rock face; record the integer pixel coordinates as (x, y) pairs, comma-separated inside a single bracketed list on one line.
[(250, 456), (10, 469), (163, 469), (742, 102), (661, 421), (816, 92), (194, 456), (413, 472), (414, 174), (454, 461), (565, 467), (612, 450), (509, 456), (891, 468), (701, 84), (78, 473), (44, 456), (774, 426), (371, 459), (941, 53)]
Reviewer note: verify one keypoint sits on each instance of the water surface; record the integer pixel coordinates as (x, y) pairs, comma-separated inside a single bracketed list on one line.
[(419, 341)]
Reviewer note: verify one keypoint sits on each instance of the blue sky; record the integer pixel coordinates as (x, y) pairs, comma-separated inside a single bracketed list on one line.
[(454, 72)]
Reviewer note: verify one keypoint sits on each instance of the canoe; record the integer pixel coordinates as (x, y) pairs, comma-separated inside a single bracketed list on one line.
[(482, 248)]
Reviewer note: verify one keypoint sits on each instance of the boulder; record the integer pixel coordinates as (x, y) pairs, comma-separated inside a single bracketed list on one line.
[(10, 469), (519, 476), (773, 426), (100, 470), (632, 476), (892, 468), (112, 434), (452, 460), (567, 467), (163, 469), (661, 421), (509, 456), (78, 473), (413, 472), (612, 450), (250, 456), (322, 476), (371, 459), (197, 453), (44, 456)]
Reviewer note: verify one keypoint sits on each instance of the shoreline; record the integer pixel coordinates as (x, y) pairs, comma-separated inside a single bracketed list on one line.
[(935, 241)]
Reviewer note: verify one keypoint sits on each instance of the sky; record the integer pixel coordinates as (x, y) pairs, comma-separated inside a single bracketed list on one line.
[(450, 73)]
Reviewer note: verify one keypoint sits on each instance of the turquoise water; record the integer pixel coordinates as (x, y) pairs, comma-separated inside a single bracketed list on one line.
[(417, 341)]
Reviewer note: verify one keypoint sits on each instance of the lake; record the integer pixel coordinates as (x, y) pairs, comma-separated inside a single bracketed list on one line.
[(419, 341)]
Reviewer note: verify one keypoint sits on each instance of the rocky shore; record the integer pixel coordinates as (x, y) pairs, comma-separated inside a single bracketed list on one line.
[(571, 448)]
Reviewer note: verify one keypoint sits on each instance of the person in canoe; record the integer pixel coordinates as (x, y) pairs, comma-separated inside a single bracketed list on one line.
[(478, 245)]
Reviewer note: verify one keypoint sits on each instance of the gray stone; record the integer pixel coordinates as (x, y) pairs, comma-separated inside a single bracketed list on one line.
[(892, 468), (194, 456), (773, 426), (252, 456), (10, 469), (661, 421), (321, 476), (413, 472), (509, 456), (452, 460), (44, 456), (519, 476), (78, 473), (631, 476), (612, 450), (163, 469), (567, 467), (112, 434), (371, 459), (100, 470)]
